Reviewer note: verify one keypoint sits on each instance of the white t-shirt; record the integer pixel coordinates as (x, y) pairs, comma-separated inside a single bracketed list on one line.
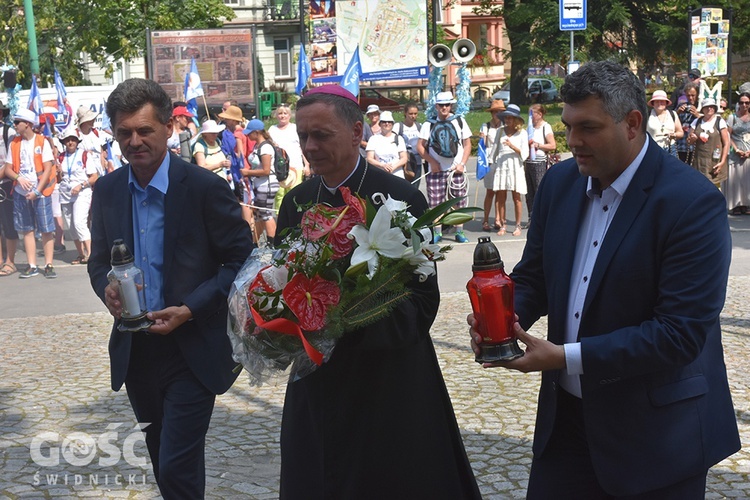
[(540, 137), (386, 149), (410, 133), (708, 126), (288, 140), (254, 160), (463, 132), (28, 169), (74, 172), (490, 136), (94, 143)]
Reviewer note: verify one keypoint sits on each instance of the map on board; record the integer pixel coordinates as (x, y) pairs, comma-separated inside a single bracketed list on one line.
[(391, 35)]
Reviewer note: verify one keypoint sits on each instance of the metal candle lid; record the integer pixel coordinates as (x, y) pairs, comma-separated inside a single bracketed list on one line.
[(486, 256), (121, 254)]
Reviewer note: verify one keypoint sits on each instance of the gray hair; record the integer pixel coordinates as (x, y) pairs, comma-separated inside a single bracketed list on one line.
[(134, 93), (618, 88), (348, 111)]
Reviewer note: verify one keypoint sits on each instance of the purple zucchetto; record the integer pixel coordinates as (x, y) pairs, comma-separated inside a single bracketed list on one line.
[(333, 89)]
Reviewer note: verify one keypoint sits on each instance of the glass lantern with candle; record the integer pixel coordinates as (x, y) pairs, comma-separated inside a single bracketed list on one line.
[(129, 281)]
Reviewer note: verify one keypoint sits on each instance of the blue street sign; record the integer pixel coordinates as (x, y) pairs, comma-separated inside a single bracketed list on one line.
[(572, 15)]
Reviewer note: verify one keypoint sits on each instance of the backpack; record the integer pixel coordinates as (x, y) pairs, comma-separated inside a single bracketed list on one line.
[(280, 161), (444, 137)]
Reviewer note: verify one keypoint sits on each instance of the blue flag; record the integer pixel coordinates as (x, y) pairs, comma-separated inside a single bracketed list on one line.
[(106, 122), (62, 95), (193, 87), (35, 99), (482, 166), (350, 80), (61, 92), (303, 71)]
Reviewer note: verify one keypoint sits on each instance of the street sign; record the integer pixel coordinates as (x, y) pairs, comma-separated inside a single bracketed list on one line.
[(572, 15)]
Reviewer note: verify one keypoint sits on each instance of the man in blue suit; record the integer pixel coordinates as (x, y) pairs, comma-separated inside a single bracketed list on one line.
[(628, 255), (186, 231)]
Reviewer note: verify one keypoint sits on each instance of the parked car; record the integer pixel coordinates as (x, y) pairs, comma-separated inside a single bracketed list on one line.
[(539, 90), (372, 96)]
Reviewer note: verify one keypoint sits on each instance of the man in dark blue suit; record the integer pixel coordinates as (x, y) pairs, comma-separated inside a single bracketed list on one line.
[(186, 231), (628, 255)]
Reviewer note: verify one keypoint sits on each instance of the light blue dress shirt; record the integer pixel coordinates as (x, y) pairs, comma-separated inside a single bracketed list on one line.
[(148, 231)]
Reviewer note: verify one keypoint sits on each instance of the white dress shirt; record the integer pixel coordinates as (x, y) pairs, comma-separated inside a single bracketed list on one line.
[(601, 207)]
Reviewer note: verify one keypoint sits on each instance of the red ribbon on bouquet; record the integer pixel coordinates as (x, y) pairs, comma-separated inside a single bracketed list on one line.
[(287, 327)]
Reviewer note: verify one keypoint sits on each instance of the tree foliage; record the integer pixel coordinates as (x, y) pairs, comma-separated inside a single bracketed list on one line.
[(107, 30), (645, 33)]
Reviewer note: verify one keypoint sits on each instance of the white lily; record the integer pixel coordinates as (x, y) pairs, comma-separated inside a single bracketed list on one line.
[(425, 266), (381, 239)]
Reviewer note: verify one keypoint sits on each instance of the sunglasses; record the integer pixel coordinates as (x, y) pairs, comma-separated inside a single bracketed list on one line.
[(444, 105), (385, 123), (16, 122), (744, 103)]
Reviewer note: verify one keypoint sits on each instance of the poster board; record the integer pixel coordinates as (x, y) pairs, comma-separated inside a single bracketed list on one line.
[(709, 40), (223, 56)]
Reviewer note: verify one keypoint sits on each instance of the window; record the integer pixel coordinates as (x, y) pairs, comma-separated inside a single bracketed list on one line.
[(232, 2), (282, 58)]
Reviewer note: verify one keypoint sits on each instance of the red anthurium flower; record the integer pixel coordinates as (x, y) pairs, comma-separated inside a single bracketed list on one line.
[(310, 299), (318, 220), (356, 203)]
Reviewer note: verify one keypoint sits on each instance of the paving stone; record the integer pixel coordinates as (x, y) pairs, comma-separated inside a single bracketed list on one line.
[(56, 379)]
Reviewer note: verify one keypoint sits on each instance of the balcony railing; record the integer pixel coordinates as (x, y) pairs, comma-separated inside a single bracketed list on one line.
[(282, 10)]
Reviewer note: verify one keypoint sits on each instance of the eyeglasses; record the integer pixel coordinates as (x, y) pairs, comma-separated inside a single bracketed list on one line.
[(385, 123), (443, 105), (744, 103)]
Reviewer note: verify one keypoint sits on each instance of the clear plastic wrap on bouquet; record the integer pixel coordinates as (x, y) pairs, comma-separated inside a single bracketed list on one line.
[(264, 353)]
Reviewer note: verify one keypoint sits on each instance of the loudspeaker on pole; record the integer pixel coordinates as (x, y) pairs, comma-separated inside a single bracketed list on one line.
[(439, 55), (464, 50)]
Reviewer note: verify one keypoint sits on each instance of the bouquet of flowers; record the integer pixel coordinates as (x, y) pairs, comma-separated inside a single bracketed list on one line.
[(342, 269)]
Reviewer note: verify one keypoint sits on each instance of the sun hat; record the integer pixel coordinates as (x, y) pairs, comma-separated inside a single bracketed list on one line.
[(211, 127), (182, 111), (497, 105), (69, 132), (386, 116), (444, 98), (708, 102), (232, 113), (290, 181), (659, 95), (85, 114), (26, 115), (372, 108), (333, 89), (512, 110), (253, 125)]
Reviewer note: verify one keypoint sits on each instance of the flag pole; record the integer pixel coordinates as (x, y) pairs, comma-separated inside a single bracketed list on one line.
[(206, 105)]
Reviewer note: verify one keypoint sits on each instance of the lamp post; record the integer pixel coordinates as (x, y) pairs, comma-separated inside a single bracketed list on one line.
[(28, 9)]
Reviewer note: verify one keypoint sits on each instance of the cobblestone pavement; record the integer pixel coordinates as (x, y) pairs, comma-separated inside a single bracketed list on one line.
[(54, 379)]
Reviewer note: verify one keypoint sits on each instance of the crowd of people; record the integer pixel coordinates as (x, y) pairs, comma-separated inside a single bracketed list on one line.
[(634, 399), (700, 130), (46, 184)]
